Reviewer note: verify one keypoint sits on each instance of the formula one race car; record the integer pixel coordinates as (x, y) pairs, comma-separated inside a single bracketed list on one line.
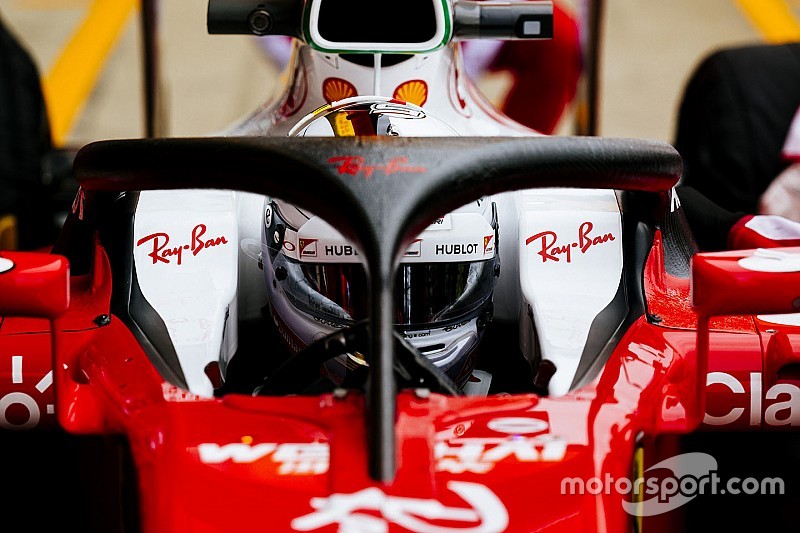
[(399, 311)]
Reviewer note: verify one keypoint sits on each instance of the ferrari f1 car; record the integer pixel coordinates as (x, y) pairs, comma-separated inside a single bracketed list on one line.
[(387, 312)]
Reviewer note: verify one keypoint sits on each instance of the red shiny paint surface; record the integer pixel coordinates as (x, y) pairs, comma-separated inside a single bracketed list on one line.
[(753, 380), (668, 297), (203, 463), (723, 286), (26, 381), (733, 357), (222, 464), (37, 285), (27, 389)]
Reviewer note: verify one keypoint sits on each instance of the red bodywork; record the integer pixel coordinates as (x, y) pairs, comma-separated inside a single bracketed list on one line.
[(222, 464), (499, 463)]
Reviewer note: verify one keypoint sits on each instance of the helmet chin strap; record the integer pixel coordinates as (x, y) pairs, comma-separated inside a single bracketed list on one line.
[(376, 79)]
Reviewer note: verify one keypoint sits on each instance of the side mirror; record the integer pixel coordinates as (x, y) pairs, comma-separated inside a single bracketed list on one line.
[(33, 284), (746, 282), (741, 282), (37, 285)]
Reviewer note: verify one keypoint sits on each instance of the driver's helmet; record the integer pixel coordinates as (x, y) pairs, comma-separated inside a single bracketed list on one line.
[(316, 283)]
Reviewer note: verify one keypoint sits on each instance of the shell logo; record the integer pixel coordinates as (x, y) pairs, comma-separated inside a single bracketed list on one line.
[(334, 89), (414, 92)]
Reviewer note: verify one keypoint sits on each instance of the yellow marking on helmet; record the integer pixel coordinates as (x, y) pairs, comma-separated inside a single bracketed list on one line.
[(342, 126), (321, 109)]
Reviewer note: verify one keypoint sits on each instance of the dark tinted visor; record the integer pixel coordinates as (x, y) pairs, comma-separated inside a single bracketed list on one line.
[(425, 293)]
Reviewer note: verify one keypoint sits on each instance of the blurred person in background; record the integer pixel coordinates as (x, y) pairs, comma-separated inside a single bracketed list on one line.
[(36, 183), (24, 142), (738, 129)]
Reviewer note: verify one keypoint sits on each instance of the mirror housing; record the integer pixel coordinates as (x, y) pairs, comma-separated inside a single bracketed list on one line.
[(746, 282), (33, 284), (740, 282)]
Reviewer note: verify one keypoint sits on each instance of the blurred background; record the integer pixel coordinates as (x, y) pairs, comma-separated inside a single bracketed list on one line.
[(89, 56)]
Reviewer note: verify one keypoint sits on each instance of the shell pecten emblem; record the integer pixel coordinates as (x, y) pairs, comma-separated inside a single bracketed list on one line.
[(335, 89), (414, 92)]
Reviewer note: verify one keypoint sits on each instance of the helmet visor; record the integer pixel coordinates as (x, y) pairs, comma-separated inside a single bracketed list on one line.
[(425, 293), (441, 292)]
